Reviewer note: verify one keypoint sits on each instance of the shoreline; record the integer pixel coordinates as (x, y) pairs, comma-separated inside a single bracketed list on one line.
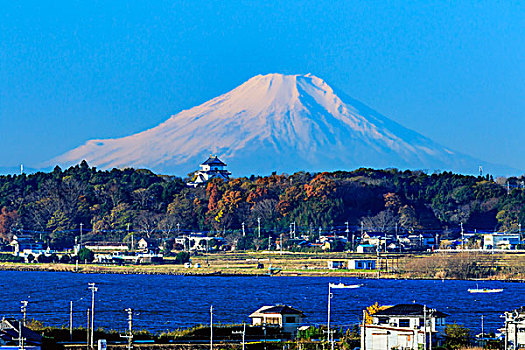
[(175, 270)]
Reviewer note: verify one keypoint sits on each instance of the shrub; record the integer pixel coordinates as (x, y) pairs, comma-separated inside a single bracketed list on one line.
[(182, 257)]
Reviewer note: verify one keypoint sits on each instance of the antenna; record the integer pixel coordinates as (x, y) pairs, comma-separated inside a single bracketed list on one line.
[(21, 169), (480, 170)]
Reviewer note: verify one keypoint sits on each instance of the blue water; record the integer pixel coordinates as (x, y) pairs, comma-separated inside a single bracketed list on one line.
[(164, 302)]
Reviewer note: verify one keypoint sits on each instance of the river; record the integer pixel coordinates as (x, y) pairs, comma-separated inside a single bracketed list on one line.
[(162, 302)]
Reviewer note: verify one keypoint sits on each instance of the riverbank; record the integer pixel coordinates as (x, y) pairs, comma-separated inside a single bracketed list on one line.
[(462, 265)]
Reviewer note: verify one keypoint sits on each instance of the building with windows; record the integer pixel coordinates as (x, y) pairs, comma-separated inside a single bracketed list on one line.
[(403, 326), (514, 330), (500, 240), (283, 316), (362, 264)]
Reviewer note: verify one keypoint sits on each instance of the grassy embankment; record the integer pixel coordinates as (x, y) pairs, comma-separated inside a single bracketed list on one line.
[(458, 265)]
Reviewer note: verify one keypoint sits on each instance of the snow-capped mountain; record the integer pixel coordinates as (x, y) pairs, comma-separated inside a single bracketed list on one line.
[(275, 122)]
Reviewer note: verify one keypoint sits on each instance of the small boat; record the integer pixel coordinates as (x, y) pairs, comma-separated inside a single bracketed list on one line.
[(343, 286), (485, 290)]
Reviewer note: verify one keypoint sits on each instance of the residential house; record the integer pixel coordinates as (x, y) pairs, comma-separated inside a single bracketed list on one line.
[(362, 264), (147, 245), (25, 244), (403, 326), (337, 264), (283, 316), (499, 240), (375, 238), (10, 335), (514, 330), (366, 248), (200, 242), (106, 246), (212, 168)]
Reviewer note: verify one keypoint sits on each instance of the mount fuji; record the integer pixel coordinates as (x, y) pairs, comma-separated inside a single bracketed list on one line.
[(276, 122)]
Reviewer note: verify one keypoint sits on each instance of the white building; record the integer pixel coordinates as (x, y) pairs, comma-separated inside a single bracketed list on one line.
[(515, 329), (501, 240), (212, 168), (403, 326), (283, 316), (362, 264)]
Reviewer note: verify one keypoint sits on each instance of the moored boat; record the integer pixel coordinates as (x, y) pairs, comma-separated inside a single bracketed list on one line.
[(485, 290), (342, 285)]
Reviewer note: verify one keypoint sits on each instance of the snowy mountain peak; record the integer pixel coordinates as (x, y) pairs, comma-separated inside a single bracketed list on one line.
[(273, 122)]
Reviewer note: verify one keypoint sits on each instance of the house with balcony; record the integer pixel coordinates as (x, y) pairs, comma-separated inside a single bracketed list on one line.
[(514, 330), (403, 326), (283, 316)]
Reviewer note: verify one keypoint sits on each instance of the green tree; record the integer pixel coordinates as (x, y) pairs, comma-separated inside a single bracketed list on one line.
[(85, 255), (456, 336)]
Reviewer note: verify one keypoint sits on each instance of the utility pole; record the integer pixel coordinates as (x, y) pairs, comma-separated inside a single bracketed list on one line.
[(81, 225), (129, 334), (269, 255), (482, 332), (20, 336), (211, 327), (462, 236), (207, 240), (425, 326), (243, 232), (281, 243), (294, 231), (23, 309), (329, 305), (93, 289), (259, 226), (71, 321), (88, 329), (363, 332), (132, 240), (347, 231), (243, 335)]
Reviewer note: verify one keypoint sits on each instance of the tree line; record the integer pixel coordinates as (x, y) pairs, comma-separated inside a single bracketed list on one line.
[(108, 205)]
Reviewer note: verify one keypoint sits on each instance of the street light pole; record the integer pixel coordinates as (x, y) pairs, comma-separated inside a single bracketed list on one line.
[(259, 226)]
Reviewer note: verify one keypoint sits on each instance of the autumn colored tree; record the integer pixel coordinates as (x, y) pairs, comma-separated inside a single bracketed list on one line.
[(8, 220)]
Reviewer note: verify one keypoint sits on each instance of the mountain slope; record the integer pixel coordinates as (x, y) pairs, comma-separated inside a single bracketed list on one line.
[(275, 122)]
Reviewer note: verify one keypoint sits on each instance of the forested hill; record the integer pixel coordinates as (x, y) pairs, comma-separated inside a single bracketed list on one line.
[(52, 206)]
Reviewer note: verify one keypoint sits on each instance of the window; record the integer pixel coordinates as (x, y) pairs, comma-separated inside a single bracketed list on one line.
[(382, 320), (272, 320), (404, 322), (290, 319), (359, 264)]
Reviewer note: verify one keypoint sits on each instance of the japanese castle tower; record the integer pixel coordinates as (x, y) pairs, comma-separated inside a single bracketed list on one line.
[(213, 167)]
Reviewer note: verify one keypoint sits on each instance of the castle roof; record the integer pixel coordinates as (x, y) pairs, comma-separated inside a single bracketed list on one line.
[(213, 160)]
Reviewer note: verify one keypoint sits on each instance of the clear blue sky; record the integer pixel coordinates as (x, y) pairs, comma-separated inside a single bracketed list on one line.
[(76, 70)]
